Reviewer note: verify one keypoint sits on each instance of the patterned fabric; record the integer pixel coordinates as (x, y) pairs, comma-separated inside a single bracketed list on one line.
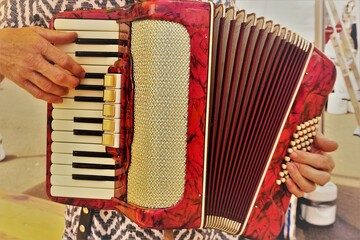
[(18, 13), (106, 225), (111, 225)]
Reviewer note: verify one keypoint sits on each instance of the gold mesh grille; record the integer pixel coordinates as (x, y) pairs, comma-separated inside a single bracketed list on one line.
[(161, 65)]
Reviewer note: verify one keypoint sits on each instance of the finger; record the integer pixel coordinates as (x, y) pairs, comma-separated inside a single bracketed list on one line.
[(38, 93), (321, 161), (55, 36), (46, 85), (303, 183), (55, 74), (293, 188), (60, 58), (55, 55), (314, 175), (325, 144)]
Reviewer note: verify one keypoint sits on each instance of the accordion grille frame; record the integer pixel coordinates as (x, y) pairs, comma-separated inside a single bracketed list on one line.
[(156, 175)]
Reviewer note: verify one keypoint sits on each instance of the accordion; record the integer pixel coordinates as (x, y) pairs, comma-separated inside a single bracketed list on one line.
[(186, 116)]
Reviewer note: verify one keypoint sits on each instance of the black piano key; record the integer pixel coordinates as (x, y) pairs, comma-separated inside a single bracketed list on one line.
[(96, 54), (92, 177), (94, 75), (88, 99), (90, 87), (87, 132), (92, 154), (97, 41), (93, 166), (87, 120)]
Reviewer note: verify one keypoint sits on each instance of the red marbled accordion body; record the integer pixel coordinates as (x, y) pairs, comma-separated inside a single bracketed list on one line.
[(267, 217), (195, 17)]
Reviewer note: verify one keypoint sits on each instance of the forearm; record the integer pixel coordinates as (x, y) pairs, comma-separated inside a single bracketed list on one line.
[(2, 36)]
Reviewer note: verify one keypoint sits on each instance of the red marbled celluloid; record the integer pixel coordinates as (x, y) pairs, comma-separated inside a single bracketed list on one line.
[(267, 216)]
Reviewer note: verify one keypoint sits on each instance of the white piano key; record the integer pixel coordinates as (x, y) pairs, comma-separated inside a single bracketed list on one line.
[(97, 34), (59, 147), (68, 125), (95, 68), (77, 192), (65, 158), (68, 170), (69, 103), (106, 61), (73, 47), (69, 137), (92, 81), (62, 113), (86, 25), (108, 92), (60, 180), (100, 82), (69, 114), (88, 93)]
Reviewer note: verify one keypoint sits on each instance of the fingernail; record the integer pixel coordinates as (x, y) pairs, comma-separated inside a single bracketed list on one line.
[(56, 100)]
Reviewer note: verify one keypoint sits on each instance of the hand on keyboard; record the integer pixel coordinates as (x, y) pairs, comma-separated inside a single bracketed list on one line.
[(26, 57)]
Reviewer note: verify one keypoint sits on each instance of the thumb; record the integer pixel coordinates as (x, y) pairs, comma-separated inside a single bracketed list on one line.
[(54, 36)]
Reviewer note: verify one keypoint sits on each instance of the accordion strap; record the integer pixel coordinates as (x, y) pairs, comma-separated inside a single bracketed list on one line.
[(84, 223)]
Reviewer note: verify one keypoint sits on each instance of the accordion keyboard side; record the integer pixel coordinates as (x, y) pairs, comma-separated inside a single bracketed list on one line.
[(83, 157), (185, 210)]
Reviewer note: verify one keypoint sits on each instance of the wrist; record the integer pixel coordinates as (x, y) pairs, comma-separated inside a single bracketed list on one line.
[(5, 33), (2, 34)]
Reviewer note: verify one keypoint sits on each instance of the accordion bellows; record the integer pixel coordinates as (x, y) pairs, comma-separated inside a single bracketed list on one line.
[(197, 109)]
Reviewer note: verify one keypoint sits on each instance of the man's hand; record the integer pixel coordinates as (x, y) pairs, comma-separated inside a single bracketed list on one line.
[(26, 57), (309, 169)]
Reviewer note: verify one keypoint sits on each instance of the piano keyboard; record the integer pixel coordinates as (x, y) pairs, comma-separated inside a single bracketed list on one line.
[(88, 120)]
